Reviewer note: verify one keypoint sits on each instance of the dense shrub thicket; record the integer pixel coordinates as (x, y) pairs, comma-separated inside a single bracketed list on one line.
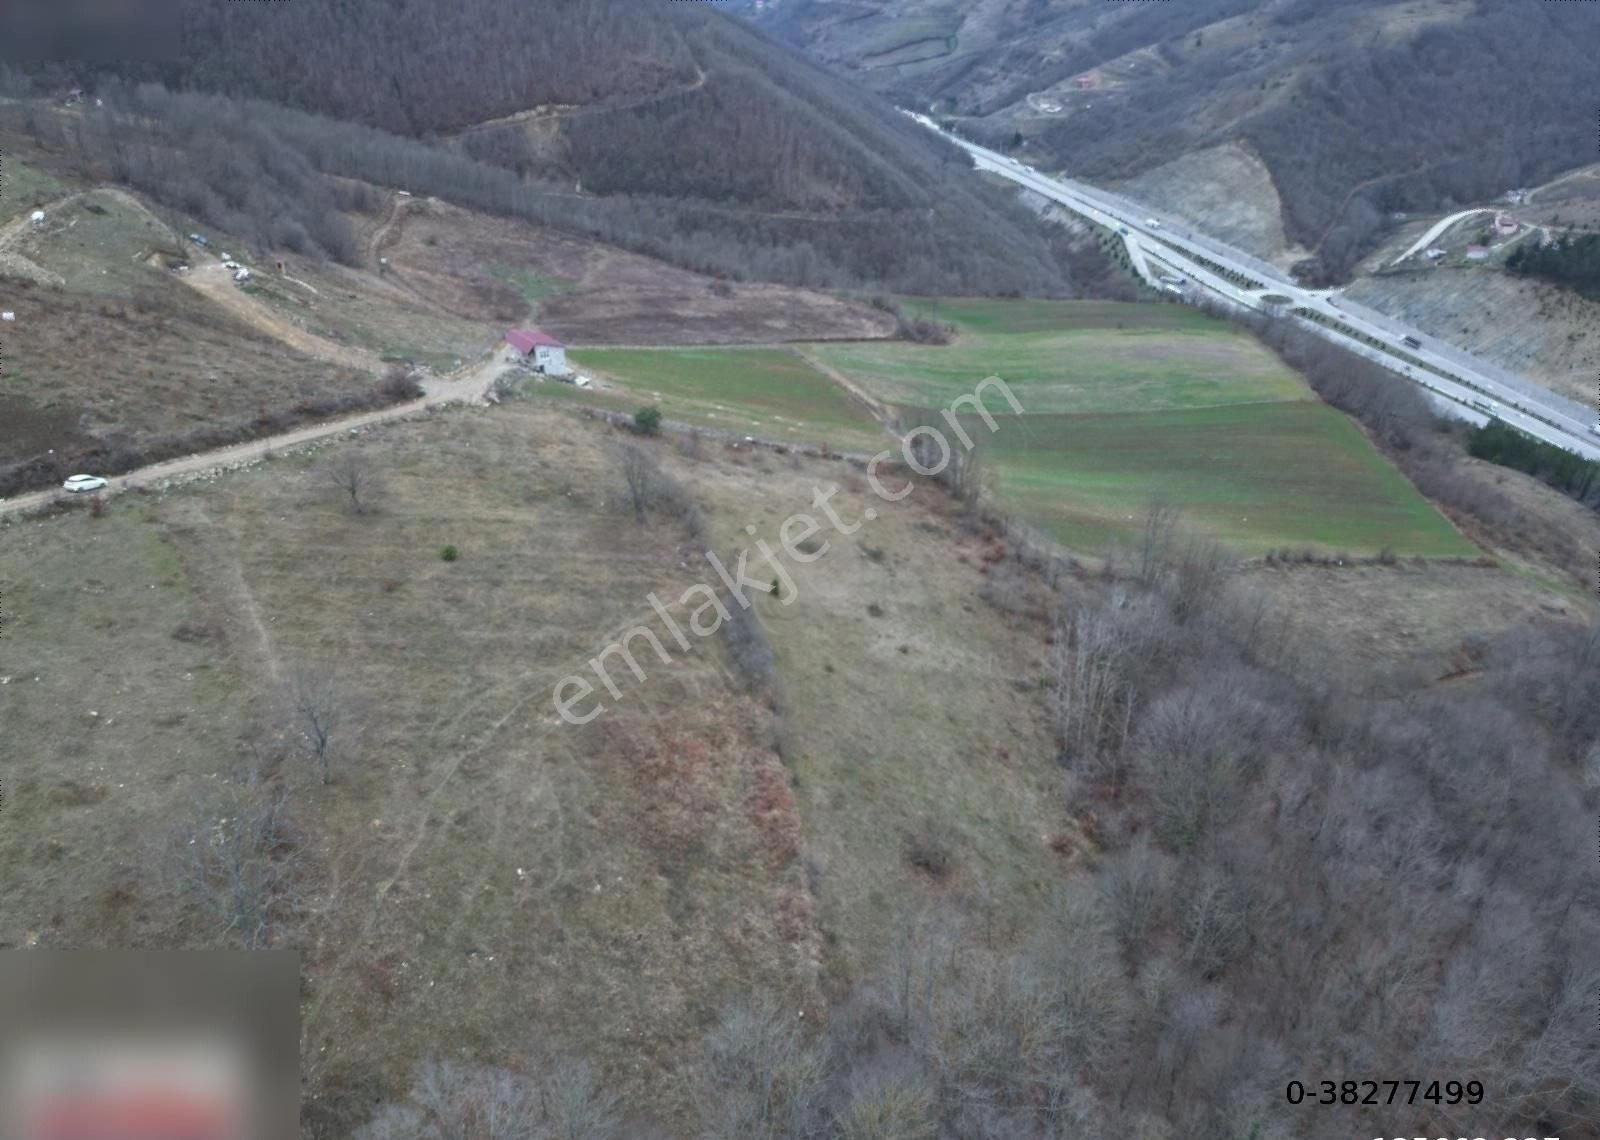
[(1572, 260), (1564, 470)]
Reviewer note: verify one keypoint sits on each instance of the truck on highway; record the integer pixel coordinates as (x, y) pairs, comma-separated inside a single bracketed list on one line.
[(1410, 342)]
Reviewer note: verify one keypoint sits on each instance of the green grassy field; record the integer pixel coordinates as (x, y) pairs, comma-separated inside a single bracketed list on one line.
[(1257, 476), (1123, 403), (533, 286), (98, 243), (766, 392), (1064, 356), (903, 33), (1126, 403), (24, 188), (1030, 314)]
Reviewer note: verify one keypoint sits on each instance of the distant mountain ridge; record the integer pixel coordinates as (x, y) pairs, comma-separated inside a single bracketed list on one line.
[(1358, 108)]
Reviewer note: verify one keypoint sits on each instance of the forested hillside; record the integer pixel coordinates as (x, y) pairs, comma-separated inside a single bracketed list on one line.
[(1359, 108), (666, 128), (412, 66)]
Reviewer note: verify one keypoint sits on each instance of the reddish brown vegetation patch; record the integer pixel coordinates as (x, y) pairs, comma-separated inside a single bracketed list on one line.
[(675, 780), (772, 808)]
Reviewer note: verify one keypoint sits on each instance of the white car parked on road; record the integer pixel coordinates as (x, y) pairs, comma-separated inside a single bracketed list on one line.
[(80, 483)]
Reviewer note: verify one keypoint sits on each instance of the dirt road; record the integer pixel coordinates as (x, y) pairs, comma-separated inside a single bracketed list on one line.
[(881, 413), (14, 264), (572, 110), (397, 205), (215, 281), (469, 384)]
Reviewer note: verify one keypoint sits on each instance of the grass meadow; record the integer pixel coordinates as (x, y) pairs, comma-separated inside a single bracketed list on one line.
[(767, 392), (1124, 404)]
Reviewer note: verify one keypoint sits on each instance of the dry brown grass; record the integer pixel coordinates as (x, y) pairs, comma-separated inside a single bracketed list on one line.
[(1359, 622), (146, 366), (476, 864), (601, 295), (932, 707), (481, 879)]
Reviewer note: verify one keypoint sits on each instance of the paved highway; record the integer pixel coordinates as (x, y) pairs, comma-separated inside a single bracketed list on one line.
[(1458, 382)]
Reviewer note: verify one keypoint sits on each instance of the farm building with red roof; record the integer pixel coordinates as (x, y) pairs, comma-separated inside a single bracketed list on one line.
[(549, 355)]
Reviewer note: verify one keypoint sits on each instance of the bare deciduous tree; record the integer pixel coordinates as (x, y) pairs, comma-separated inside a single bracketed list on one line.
[(890, 1110), (1156, 540), (1200, 568), (1093, 696), (1215, 921), (351, 475), (1137, 887), (449, 1101), (576, 1106), (641, 475), (236, 859), (319, 713), (763, 1079), (968, 473)]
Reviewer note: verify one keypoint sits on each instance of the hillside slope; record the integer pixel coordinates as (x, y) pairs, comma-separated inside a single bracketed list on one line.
[(668, 128), (1359, 108)]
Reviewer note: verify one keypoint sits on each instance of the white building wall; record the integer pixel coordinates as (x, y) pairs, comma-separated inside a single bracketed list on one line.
[(550, 359)]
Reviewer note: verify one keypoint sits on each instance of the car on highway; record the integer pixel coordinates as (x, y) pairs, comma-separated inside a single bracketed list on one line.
[(78, 484), (1152, 223)]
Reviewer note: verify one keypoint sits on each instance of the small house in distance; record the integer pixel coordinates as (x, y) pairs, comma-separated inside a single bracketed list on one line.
[(545, 352)]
